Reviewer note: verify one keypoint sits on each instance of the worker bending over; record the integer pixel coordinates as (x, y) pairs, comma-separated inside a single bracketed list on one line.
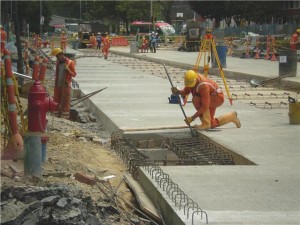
[(65, 70), (207, 96)]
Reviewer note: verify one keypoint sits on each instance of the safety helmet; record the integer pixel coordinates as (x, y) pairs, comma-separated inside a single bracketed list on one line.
[(298, 30), (208, 30), (190, 78), (56, 51)]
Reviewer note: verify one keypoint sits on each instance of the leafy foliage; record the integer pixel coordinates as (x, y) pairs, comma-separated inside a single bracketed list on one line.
[(259, 11)]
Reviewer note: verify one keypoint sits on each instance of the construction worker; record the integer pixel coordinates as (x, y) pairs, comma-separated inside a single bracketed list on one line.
[(65, 71), (294, 40), (93, 41), (106, 45), (39, 41), (63, 41), (207, 96), (145, 45), (99, 39), (3, 39)]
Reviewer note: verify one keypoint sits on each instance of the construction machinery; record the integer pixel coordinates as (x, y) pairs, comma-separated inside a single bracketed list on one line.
[(85, 30), (192, 32)]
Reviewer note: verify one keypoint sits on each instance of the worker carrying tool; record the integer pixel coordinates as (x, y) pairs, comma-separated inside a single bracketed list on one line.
[(207, 96), (294, 40), (65, 71)]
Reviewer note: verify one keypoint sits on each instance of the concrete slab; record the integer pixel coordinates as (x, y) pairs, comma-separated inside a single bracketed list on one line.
[(265, 193)]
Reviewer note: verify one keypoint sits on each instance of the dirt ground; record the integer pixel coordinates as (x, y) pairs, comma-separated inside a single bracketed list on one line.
[(74, 148)]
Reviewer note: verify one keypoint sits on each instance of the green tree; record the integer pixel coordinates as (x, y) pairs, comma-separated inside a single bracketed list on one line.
[(165, 7), (29, 13), (258, 11)]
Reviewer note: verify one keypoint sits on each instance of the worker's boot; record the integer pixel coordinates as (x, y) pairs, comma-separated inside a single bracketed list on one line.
[(229, 117), (205, 119)]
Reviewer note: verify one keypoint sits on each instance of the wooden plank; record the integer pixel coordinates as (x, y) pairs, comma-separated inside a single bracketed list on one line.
[(144, 201)]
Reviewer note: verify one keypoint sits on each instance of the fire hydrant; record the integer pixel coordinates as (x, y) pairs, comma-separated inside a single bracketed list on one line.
[(35, 141), (38, 105)]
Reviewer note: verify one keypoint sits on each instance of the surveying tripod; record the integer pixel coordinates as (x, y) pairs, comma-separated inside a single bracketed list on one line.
[(208, 46)]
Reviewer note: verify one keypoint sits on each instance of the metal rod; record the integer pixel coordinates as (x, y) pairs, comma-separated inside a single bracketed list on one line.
[(22, 75), (179, 102), (86, 96)]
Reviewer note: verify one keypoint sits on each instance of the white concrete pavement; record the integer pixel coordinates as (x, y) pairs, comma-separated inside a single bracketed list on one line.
[(265, 193)]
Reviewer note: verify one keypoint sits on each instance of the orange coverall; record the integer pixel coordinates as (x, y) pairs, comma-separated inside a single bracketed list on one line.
[(145, 45), (63, 42), (3, 39), (93, 41), (62, 85), (206, 95), (294, 40), (106, 45)]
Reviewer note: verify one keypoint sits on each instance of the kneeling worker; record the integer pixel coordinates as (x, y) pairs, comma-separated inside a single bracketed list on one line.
[(207, 96), (65, 70)]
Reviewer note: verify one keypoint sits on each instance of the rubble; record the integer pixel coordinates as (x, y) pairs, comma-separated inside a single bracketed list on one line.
[(54, 205)]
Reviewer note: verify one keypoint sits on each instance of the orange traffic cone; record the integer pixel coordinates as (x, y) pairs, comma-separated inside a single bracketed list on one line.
[(273, 58), (267, 56), (257, 56)]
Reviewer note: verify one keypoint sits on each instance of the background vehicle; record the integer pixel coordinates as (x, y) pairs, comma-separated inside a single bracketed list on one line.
[(192, 31), (85, 30), (145, 28)]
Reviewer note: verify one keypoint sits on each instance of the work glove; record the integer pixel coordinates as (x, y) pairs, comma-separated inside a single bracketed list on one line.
[(188, 120), (175, 90)]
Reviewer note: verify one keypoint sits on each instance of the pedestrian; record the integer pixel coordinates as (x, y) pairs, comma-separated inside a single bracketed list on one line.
[(207, 96), (65, 71), (294, 40), (99, 39), (75, 41), (153, 42), (106, 45)]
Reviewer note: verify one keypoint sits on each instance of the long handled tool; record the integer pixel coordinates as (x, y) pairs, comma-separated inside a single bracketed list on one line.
[(85, 97), (179, 102)]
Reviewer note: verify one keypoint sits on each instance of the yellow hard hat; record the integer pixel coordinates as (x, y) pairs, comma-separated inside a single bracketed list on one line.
[(190, 78), (56, 51), (208, 30), (298, 30)]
